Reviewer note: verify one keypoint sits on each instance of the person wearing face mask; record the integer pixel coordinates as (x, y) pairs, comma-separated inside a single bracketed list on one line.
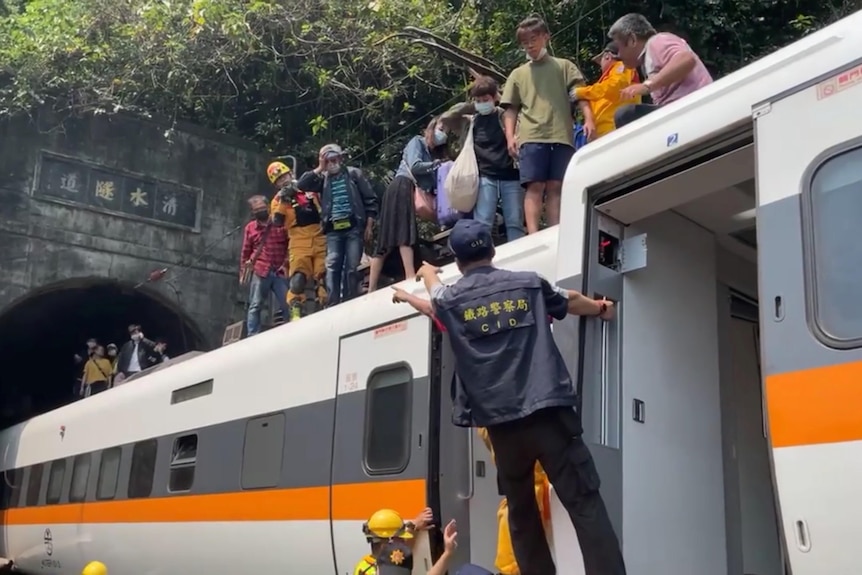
[(300, 213), (539, 94), (262, 262), (605, 96), (136, 355), (422, 156), (348, 208), (498, 176), (112, 356)]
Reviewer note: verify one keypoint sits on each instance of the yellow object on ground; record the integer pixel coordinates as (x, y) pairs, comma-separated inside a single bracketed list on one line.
[(505, 560)]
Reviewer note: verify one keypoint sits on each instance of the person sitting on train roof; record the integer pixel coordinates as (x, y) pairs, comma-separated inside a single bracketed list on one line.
[(671, 67), (390, 535)]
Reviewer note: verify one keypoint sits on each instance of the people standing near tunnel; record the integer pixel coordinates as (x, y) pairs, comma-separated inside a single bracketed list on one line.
[(299, 213), (262, 262), (348, 210), (511, 378), (137, 354), (97, 373)]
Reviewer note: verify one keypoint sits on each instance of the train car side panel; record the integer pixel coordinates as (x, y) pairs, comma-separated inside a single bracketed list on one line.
[(809, 202)]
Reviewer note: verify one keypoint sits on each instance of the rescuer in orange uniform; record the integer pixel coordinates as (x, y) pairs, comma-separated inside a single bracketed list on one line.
[(300, 212), (505, 561)]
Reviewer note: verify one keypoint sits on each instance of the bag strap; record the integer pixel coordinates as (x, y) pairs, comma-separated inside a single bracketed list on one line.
[(263, 237)]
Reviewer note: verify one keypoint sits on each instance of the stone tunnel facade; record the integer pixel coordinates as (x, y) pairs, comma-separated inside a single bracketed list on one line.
[(117, 197)]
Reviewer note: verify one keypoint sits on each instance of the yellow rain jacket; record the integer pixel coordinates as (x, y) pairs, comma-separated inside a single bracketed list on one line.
[(604, 95), (505, 561)]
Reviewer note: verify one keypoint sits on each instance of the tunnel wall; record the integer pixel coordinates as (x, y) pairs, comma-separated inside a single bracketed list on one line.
[(117, 196)]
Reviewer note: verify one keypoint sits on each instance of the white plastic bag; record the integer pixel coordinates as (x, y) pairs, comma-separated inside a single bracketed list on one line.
[(462, 183)]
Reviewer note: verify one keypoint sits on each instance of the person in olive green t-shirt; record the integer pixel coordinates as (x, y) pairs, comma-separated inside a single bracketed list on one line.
[(540, 93)]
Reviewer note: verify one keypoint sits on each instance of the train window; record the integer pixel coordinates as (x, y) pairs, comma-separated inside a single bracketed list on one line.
[(55, 481), (143, 468), (109, 473), (263, 451), (80, 475), (34, 485), (388, 420), (183, 461), (12, 483), (832, 204)]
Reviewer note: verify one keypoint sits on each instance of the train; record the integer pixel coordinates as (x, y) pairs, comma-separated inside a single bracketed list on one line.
[(722, 407)]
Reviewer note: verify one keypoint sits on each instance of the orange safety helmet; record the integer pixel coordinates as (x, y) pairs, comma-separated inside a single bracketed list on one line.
[(276, 170)]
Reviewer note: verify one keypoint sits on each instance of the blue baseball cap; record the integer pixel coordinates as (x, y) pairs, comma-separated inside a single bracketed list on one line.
[(470, 240)]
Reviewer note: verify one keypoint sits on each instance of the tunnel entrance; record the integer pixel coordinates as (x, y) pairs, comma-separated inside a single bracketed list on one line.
[(41, 332)]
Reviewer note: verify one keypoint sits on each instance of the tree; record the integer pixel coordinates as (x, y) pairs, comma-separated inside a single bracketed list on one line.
[(294, 76)]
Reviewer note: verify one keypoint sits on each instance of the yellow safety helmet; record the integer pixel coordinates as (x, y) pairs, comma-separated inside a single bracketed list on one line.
[(276, 170), (385, 524), (95, 568)]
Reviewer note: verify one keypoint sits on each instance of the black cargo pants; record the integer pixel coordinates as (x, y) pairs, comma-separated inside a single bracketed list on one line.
[(552, 436)]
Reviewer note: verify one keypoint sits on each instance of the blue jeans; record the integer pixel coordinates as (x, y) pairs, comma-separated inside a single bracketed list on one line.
[(259, 289), (343, 254), (510, 194)]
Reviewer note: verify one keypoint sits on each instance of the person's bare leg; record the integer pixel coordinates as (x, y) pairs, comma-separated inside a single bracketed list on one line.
[(374, 270), (553, 195), (533, 205), (407, 261)]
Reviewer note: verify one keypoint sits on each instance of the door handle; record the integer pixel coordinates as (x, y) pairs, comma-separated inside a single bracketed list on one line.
[(604, 383), (471, 476)]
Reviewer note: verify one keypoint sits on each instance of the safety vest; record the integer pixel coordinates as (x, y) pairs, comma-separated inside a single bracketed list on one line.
[(498, 328), (368, 566)]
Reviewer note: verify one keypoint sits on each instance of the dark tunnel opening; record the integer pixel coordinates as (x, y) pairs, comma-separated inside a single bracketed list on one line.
[(41, 333)]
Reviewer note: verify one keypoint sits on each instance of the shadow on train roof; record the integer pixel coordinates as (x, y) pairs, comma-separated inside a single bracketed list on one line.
[(41, 332)]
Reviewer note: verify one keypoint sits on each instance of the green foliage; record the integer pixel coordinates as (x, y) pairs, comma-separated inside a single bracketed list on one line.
[(293, 76)]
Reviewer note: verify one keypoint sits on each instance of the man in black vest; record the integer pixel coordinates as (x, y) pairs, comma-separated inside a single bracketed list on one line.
[(511, 379)]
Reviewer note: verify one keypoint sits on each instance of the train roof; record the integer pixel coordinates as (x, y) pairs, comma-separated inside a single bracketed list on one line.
[(244, 382)]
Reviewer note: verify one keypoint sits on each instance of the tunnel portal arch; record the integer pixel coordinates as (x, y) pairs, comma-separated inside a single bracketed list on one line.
[(41, 332)]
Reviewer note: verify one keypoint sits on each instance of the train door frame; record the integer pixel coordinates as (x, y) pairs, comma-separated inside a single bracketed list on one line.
[(384, 356)]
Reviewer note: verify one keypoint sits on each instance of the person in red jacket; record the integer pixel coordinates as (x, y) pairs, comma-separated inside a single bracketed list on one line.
[(262, 263)]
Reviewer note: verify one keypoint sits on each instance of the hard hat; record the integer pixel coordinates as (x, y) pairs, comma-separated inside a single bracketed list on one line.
[(276, 170), (95, 568), (386, 524)]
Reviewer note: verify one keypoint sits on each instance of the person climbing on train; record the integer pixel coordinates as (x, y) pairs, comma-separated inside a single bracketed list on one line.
[(505, 561), (497, 324), (392, 540), (299, 213), (604, 95), (348, 210), (97, 373)]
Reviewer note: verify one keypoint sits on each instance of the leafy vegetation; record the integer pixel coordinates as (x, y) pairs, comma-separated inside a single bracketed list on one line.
[(294, 75)]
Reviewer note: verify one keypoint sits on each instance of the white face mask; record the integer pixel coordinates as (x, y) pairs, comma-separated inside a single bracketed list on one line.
[(484, 108), (440, 137), (137, 336), (541, 55), (334, 168)]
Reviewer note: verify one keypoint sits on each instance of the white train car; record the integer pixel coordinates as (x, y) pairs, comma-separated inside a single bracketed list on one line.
[(265, 456), (723, 407)]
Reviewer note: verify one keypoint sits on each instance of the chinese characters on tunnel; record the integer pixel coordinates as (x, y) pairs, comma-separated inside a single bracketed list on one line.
[(120, 193), (494, 315)]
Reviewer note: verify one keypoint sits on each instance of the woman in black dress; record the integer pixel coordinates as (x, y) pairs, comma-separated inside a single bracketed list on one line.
[(397, 224)]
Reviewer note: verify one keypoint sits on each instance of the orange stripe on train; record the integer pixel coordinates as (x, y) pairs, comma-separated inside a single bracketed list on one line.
[(356, 501), (815, 406)]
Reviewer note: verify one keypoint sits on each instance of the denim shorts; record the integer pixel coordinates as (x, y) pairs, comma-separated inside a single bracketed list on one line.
[(544, 162)]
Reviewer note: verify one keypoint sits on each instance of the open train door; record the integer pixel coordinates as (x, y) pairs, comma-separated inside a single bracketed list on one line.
[(809, 209), (380, 446)]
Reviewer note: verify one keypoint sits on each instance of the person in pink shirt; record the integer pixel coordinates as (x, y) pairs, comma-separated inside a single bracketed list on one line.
[(671, 67)]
